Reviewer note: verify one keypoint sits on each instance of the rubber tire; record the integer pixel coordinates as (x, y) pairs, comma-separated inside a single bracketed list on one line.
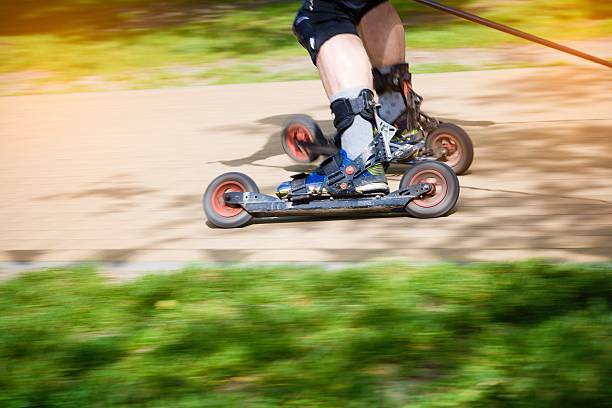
[(313, 128), (447, 204), (464, 142), (219, 220)]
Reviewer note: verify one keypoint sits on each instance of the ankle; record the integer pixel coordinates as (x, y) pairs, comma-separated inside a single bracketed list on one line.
[(354, 118)]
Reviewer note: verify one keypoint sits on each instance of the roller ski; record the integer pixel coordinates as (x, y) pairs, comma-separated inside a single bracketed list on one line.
[(419, 136), (345, 183)]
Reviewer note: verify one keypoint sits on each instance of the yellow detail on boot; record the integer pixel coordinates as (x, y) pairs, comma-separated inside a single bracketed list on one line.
[(376, 170)]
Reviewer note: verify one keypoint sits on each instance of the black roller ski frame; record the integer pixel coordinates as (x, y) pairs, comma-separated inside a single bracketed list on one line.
[(426, 138), (434, 141), (261, 205), (427, 190)]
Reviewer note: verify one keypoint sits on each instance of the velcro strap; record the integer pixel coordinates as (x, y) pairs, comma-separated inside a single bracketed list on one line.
[(298, 186), (345, 106), (345, 109), (331, 168)]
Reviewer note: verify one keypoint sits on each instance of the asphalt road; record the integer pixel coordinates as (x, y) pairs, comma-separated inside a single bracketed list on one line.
[(119, 176)]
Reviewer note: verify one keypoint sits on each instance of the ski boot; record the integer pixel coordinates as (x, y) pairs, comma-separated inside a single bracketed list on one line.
[(339, 175)]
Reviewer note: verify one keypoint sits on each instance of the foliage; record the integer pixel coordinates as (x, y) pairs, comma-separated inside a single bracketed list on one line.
[(92, 44), (491, 335)]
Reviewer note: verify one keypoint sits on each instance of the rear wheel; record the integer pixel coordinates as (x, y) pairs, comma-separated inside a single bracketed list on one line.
[(298, 134), (442, 199), (456, 141), (217, 211)]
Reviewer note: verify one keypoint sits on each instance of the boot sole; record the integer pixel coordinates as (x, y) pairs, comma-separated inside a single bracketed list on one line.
[(373, 188)]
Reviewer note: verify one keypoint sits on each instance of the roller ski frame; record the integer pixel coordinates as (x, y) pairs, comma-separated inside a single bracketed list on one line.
[(427, 190), (304, 142), (425, 137)]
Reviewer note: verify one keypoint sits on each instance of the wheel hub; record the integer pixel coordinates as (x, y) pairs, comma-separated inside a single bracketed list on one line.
[(439, 188), (218, 199), (297, 136), (450, 145)]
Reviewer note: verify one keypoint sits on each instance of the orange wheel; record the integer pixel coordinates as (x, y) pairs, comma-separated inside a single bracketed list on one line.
[(442, 199), (458, 145), (218, 200), (218, 212), (299, 135)]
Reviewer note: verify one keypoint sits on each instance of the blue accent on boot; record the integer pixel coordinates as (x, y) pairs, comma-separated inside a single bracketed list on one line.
[(316, 180), (317, 183)]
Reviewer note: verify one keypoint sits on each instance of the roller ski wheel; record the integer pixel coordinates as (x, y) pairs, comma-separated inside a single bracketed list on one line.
[(298, 134), (439, 202), (217, 211), (456, 141)]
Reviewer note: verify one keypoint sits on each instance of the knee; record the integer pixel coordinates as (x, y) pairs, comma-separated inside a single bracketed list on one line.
[(304, 32)]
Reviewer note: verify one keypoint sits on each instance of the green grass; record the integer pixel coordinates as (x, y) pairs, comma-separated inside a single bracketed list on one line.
[(69, 40), (491, 335)]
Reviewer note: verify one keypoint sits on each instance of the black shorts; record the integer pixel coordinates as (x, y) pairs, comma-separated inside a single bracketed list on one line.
[(319, 20)]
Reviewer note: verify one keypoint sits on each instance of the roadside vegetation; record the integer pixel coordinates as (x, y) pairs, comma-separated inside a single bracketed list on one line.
[(490, 335), (148, 43)]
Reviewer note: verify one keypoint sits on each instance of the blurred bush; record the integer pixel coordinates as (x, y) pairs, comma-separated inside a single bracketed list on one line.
[(518, 335), (84, 45), (594, 8), (69, 16)]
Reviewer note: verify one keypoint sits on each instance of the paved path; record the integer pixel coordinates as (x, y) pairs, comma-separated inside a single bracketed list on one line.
[(119, 176)]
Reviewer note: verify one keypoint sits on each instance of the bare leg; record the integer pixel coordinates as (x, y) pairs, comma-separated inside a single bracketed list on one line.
[(382, 33), (345, 71), (383, 36), (344, 64)]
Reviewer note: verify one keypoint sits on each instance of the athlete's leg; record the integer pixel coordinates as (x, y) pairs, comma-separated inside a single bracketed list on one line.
[(345, 71), (344, 64), (329, 33), (382, 33)]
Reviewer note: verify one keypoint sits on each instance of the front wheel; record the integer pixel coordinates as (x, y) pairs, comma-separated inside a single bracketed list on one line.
[(442, 199), (217, 211), (300, 133), (458, 145)]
